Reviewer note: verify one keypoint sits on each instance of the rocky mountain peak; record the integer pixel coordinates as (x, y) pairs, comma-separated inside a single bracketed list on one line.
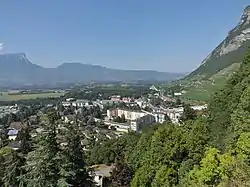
[(247, 10), (231, 50), (246, 15)]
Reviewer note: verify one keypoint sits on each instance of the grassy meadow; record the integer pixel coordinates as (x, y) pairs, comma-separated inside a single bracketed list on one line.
[(5, 96)]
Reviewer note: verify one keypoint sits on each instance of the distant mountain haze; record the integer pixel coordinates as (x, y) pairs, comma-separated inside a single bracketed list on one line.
[(15, 68)]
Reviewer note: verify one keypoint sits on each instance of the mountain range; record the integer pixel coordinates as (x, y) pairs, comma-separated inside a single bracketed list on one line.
[(16, 69)]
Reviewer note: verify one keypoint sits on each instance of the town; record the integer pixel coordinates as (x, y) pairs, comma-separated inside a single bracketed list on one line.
[(99, 119)]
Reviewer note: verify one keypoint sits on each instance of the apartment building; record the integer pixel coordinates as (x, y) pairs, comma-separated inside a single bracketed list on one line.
[(136, 119)]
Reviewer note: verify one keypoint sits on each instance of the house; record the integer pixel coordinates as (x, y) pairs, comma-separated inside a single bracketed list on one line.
[(121, 127), (66, 103), (36, 131), (12, 134), (183, 91), (70, 99), (100, 172), (68, 119), (174, 114), (201, 107), (141, 103), (15, 145), (80, 103), (177, 94), (116, 98), (153, 88), (127, 99), (17, 125)]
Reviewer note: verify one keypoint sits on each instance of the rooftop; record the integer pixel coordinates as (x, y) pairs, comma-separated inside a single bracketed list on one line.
[(12, 132), (102, 170)]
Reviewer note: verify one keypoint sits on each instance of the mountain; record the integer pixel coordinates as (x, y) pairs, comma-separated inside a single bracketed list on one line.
[(16, 69), (220, 64), (228, 53)]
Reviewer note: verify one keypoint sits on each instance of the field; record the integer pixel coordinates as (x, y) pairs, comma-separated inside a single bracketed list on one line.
[(202, 90), (4, 96)]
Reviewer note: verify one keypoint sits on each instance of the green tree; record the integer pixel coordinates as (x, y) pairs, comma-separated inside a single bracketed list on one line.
[(178, 101), (162, 177), (42, 164), (15, 165), (73, 168), (121, 175), (214, 170), (188, 113), (25, 141), (5, 155), (123, 119), (14, 170)]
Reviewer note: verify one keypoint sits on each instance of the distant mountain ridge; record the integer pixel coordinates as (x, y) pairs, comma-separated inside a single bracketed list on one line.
[(15, 68), (230, 51)]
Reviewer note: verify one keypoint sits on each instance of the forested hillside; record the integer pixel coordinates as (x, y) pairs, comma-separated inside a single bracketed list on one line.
[(211, 150)]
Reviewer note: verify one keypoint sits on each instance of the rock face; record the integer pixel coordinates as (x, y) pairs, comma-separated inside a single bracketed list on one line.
[(229, 51)]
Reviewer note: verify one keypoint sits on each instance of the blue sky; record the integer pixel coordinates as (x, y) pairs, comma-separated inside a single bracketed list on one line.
[(163, 35)]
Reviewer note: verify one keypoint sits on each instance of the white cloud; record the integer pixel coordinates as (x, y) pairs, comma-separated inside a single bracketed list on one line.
[(1, 46)]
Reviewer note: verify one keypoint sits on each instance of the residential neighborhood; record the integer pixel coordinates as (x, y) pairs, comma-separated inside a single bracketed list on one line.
[(99, 120)]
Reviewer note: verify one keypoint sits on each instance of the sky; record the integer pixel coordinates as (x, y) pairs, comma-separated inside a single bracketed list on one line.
[(162, 35)]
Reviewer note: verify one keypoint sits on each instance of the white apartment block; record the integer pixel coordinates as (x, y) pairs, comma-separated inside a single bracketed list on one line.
[(136, 120)]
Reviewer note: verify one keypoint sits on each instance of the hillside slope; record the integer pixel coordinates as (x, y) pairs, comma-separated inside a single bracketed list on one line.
[(228, 52), (221, 64)]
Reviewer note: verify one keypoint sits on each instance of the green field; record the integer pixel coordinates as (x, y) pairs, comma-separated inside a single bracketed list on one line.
[(5, 97), (202, 90)]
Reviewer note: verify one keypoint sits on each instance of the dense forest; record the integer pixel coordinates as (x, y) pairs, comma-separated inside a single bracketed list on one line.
[(212, 149), (208, 150)]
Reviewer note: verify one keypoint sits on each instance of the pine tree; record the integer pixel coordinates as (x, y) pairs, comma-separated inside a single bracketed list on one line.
[(25, 139), (42, 164), (73, 170), (14, 170), (15, 165), (121, 175), (188, 113)]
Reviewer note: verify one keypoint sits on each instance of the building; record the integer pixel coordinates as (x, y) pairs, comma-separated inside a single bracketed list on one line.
[(15, 145), (80, 103), (153, 88), (70, 99), (136, 120), (116, 98), (66, 103), (121, 127), (12, 134), (174, 114), (127, 100), (4, 110), (17, 125), (201, 107), (102, 103), (100, 172), (160, 116), (177, 94)]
